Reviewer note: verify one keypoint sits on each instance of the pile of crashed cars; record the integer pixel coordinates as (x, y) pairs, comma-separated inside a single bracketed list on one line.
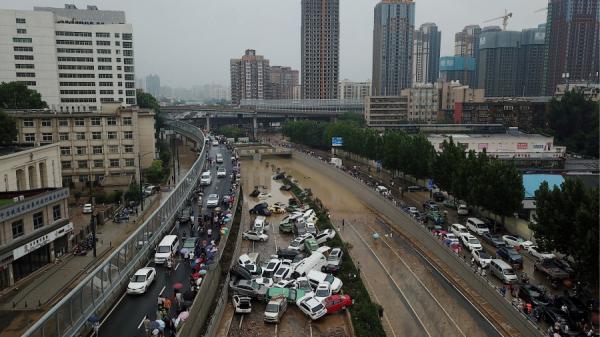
[(301, 274)]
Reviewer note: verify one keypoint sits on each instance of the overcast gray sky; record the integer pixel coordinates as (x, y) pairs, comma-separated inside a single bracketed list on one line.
[(190, 42)]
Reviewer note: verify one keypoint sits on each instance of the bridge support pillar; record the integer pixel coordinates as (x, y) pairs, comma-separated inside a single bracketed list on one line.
[(333, 119), (295, 119), (255, 128), (207, 122)]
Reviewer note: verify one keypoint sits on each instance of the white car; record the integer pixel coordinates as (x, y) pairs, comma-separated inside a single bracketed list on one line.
[(271, 267), (311, 307), (462, 209), (255, 236), (515, 241), (450, 238), (221, 172), (471, 242), (535, 252), (141, 280), (265, 281), (212, 200), (482, 258), (302, 283), (87, 208), (325, 236), (242, 304), (335, 256), (275, 309), (205, 178), (215, 142), (284, 283), (323, 291), (282, 273), (311, 228), (413, 211)]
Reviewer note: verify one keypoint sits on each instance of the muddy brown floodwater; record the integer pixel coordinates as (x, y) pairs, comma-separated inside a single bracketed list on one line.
[(416, 300)]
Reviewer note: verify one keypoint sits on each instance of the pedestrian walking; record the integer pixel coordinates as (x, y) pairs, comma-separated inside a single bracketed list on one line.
[(96, 329), (343, 223)]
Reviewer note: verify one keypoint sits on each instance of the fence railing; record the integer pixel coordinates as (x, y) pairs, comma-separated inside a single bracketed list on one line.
[(97, 292)]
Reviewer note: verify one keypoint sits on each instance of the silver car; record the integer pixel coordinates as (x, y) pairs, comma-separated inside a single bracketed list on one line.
[(212, 200), (248, 288)]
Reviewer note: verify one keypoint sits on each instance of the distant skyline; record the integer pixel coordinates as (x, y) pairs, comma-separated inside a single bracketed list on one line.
[(190, 42)]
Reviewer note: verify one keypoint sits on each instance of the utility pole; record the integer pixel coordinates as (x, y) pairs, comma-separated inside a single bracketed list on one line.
[(141, 183), (93, 224)]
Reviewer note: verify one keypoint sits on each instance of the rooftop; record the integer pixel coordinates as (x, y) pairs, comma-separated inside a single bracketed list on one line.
[(5, 150), (506, 135)]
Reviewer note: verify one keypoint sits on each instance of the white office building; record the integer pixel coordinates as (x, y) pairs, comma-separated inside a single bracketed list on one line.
[(354, 90), (76, 59)]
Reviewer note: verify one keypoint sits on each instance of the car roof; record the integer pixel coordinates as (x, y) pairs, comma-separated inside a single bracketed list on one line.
[(143, 271)]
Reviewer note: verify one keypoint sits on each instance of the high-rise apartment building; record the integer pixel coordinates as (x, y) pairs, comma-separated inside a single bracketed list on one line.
[(458, 68), (511, 63), (354, 90), (393, 46), (426, 53), (76, 59), (250, 77), (320, 48), (283, 81), (153, 85), (573, 39), (466, 42), (423, 102)]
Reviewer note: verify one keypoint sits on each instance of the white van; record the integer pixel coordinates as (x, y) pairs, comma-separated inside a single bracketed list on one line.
[(310, 216), (381, 189), (219, 158), (315, 261), (169, 245), (503, 271), (458, 230), (315, 277), (477, 226), (260, 224)]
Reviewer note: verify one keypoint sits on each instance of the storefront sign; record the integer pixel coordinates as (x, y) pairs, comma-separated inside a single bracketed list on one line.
[(538, 146), (522, 146), (482, 146), (42, 241)]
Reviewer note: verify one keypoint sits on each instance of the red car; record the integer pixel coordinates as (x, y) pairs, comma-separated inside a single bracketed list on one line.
[(337, 303)]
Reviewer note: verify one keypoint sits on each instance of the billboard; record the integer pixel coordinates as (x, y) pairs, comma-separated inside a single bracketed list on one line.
[(337, 141)]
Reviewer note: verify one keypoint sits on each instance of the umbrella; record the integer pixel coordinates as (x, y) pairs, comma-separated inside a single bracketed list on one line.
[(93, 319), (188, 295), (178, 285), (184, 315), (153, 325), (202, 272), (199, 260), (195, 275), (375, 235), (161, 324), (227, 219), (184, 251)]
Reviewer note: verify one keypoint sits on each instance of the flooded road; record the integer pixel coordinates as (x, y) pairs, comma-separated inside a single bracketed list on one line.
[(416, 300)]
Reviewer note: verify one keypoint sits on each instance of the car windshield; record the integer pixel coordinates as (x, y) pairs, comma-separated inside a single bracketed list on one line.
[(474, 241), (317, 308), (322, 292), (508, 272), (271, 266), (272, 307), (329, 278), (484, 255), (332, 258), (164, 249), (138, 278)]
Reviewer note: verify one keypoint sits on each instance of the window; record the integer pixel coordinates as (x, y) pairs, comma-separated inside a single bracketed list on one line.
[(46, 122), (117, 43), (111, 120), (130, 101), (100, 34), (65, 164), (84, 34), (24, 57), (75, 59), (19, 48), (97, 149), (95, 121), (21, 20), (22, 39), (68, 75), (128, 60), (114, 163), (56, 213), (111, 134), (130, 92), (98, 163), (117, 35), (28, 123), (104, 59), (104, 67), (63, 136), (106, 84), (24, 66), (113, 149), (65, 151), (128, 135), (74, 67), (17, 229), (127, 53), (63, 122), (103, 51), (25, 74), (129, 77), (30, 137), (75, 42), (80, 135), (127, 45), (129, 162), (38, 220), (128, 148), (83, 178), (81, 150), (107, 92), (79, 122), (105, 76), (82, 163), (102, 43), (127, 36), (21, 31), (46, 137), (120, 84), (74, 50), (96, 135), (127, 121)]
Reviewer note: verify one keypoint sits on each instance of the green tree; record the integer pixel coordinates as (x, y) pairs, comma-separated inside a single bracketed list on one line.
[(8, 129), (155, 174), (147, 101), (574, 120), (500, 188), (230, 131), (566, 220), (133, 192), (353, 117), (16, 95)]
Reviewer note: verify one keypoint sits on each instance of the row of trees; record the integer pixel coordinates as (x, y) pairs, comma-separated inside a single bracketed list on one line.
[(475, 178), (566, 221)]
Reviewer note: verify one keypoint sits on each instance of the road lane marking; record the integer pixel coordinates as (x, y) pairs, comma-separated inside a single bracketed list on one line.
[(241, 320), (161, 291), (377, 299), (275, 236), (392, 279), (142, 322), (177, 266), (310, 327), (113, 308), (419, 280), (276, 329)]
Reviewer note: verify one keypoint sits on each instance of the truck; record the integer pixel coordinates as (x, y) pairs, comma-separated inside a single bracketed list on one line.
[(551, 269), (337, 162)]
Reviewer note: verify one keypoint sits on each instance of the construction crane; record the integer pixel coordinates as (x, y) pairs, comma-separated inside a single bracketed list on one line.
[(541, 9), (503, 17)]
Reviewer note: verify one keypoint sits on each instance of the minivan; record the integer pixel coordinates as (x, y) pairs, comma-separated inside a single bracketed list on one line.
[(315, 261), (219, 158), (503, 271), (458, 230), (168, 246), (316, 277), (477, 226)]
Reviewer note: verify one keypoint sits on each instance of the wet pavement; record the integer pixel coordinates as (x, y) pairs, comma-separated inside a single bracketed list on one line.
[(416, 300)]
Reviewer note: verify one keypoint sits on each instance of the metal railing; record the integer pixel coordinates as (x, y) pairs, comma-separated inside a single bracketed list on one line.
[(96, 293)]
